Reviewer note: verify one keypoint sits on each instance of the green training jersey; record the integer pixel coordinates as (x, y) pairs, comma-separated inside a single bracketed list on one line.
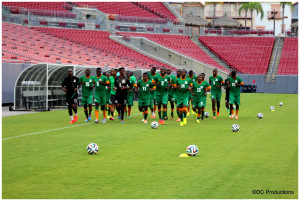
[(112, 84), (216, 81), (133, 78), (151, 76), (198, 89), (144, 92), (193, 78), (132, 81), (235, 90), (184, 84), (86, 83), (163, 83), (171, 92), (100, 89)]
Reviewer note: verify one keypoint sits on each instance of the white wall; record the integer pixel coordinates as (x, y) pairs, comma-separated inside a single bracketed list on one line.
[(269, 24)]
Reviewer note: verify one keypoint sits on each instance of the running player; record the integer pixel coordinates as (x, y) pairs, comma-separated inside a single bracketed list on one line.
[(208, 90), (153, 102), (162, 81), (178, 76), (144, 87), (129, 100), (122, 83), (227, 95), (216, 82), (183, 86), (69, 85), (107, 88), (86, 81), (171, 92), (100, 82), (112, 93), (234, 84), (199, 95), (192, 77)]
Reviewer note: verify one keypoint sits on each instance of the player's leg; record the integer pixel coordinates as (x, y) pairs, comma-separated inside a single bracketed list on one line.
[(164, 101), (218, 100), (130, 104), (171, 99), (97, 104), (180, 114), (74, 107), (227, 104), (113, 106), (90, 102), (145, 114), (70, 112), (103, 108), (237, 104), (213, 101), (122, 107), (185, 110), (154, 103), (231, 102)]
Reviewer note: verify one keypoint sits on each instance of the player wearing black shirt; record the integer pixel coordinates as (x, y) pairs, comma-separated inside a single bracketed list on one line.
[(120, 86), (227, 95), (69, 85)]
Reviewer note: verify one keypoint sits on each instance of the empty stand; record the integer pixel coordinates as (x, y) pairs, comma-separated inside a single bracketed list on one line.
[(288, 64), (249, 55), (158, 8)]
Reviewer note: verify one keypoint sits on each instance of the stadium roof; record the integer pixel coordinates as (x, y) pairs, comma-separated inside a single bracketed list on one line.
[(225, 21), (193, 20)]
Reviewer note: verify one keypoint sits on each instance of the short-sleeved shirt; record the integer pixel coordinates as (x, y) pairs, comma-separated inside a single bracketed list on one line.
[(151, 76), (235, 90), (193, 78), (100, 89), (184, 84), (70, 84), (144, 92), (163, 83), (112, 84), (133, 78), (216, 81), (171, 92), (198, 89), (86, 82), (121, 83)]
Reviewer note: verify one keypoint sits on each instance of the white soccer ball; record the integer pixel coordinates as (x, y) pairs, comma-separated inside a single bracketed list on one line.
[(206, 114), (272, 108), (192, 150), (154, 125), (280, 103), (92, 148), (235, 128), (260, 115)]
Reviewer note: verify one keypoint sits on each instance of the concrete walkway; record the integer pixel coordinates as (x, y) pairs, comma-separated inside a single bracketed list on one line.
[(7, 113)]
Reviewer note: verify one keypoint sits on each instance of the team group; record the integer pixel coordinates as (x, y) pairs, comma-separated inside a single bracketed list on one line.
[(114, 91)]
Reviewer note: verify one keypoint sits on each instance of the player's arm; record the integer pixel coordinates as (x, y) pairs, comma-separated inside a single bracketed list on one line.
[(79, 83), (190, 87), (154, 81), (192, 92), (152, 88), (63, 84), (240, 85), (176, 85), (128, 84), (207, 89), (106, 83), (137, 88)]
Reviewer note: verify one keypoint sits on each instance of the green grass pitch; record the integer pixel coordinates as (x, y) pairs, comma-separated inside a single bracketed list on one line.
[(136, 161)]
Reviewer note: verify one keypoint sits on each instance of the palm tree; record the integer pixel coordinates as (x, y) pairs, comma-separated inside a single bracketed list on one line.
[(283, 4), (256, 6), (245, 7), (214, 14)]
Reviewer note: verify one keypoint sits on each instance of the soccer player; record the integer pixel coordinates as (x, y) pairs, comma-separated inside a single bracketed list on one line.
[(70, 85), (122, 83), (129, 100), (107, 88), (86, 81), (199, 89), (144, 87), (216, 82), (132, 76), (100, 83), (171, 92), (153, 102), (112, 93), (178, 76), (192, 77), (162, 82), (183, 86), (234, 84), (227, 95)]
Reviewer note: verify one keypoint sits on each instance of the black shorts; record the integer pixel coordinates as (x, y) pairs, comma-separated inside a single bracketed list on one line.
[(227, 97), (121, 99), (113, 99), (72, 100)]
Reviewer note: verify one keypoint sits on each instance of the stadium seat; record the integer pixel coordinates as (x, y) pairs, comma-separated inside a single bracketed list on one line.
[(288, 64)]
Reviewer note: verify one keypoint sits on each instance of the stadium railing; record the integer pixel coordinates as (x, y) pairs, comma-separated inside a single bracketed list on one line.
[(236, 32)]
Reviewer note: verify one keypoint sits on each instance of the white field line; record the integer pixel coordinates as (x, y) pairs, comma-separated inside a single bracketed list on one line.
[(52, 130)]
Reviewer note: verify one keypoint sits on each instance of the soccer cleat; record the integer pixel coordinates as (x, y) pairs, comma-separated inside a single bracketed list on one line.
[(198, 121), (163, 122), (122, 121), (96, 121), (75, 118), (178, 119), (72, 122), (112, 118), (119, 117), (153, 115), (218, 113), (145, 121), (231, 117), (236, 117), (159, 122), (104, 120), (184, 121), (181, 123), (214, 117), (86, 120), (90, 118)]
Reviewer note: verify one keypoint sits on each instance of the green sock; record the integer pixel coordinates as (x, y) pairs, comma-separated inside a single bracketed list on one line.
[(214, 113), (159, 114), (164, 114)]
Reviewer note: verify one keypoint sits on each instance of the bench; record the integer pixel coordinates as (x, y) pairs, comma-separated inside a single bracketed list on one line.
[(37, 96)]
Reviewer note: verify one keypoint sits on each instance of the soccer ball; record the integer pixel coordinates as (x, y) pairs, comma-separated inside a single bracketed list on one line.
[(154, 125), (272, 108), (192, 150), (235, 128), (206, 114), (260, 115), (280, 103), (92, 148)]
